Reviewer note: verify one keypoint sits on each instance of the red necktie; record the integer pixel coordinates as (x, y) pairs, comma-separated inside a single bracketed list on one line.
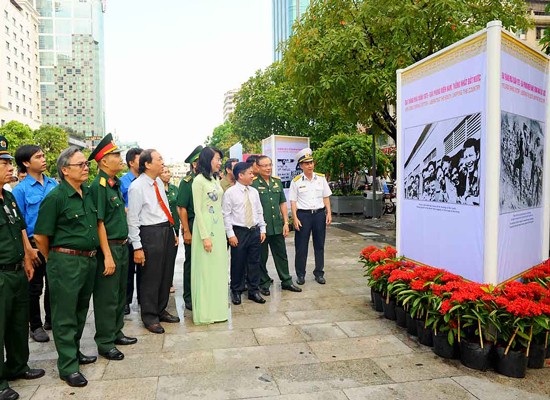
[(162, 204)]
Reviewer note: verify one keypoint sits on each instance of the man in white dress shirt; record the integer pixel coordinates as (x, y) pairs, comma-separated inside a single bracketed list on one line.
[(309, 201), (245, 228), (151, 233)]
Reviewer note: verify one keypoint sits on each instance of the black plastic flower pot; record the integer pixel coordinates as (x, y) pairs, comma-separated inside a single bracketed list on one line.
[(424, 334), (475, 357), (548, 352), (378, 301), (400, 317), (442, 347), (389, 309), (513, 364), (372, 295), (411, 325), (537, 353)]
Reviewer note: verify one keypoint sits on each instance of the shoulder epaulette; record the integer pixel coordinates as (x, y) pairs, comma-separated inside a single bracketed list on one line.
[(276, 177), (103, 181), (320, 174), (297, 178), (188, 178), (254, 178)]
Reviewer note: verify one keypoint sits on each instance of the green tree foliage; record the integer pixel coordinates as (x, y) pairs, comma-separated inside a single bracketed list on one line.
[(222, 138), (344, 156), (53, 141), (344, 55), (266, 105), (17, 134)]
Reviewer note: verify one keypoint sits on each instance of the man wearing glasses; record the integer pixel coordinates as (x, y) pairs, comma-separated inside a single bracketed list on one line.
[(275, 211), (66, 234), (16, 269)]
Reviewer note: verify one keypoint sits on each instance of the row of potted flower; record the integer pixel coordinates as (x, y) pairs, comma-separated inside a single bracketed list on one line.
[(507, 325)]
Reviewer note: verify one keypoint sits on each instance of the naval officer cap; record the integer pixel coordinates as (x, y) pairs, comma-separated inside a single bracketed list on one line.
[(194, 156), (106, 146), (4, 154), (304, 155)]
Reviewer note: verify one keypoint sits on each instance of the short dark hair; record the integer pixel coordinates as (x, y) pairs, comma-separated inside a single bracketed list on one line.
[(229, 163), (472, 143), (24, 154), (204, 166), (240, 168), (132, 153), (146, 156), (253, 158), (260, 158)]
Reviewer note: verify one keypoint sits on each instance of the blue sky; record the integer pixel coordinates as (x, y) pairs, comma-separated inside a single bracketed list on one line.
[(168, 64)]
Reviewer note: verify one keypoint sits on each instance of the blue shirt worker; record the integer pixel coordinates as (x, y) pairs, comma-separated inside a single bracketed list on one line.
[(29, 194), (309, 201), (15, 269), (132, 160)]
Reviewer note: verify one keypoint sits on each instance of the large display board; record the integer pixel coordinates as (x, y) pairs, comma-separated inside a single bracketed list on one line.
[(467, 136)]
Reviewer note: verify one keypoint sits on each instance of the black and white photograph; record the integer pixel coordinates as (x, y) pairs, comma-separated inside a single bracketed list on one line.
[(285, 169), (522, 155), (443, 165)]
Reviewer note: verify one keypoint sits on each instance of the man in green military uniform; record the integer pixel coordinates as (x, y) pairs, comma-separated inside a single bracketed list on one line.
[(275, 211), (186, 213), (112, 259), (16, 269), (66, 234)]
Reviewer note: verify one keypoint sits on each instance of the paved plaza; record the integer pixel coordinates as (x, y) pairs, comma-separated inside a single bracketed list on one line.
[(322, 344)]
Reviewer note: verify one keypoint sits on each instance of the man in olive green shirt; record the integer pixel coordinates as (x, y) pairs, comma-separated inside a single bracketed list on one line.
[(112, 259), (66, 234), (16, 269), (228, 179), (186, 214), (275, 211)]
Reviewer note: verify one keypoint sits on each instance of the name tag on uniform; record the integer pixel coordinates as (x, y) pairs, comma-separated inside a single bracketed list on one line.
[(261, 187), (302, 188)]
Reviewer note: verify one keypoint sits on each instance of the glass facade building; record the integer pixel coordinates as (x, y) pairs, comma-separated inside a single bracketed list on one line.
[(285, 12), (71, 53)]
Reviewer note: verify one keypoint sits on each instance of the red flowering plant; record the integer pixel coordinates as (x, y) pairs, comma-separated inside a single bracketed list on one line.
[(539, 274), (399, 280), (378, 279), (372, 257), (439, 319), (467, 309), (522, 313)]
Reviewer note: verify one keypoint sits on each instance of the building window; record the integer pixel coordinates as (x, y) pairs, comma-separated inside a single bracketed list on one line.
[(9, 91), (2, 122), (16, 109), (6, 15), (8, 60), (17, 95), (6, 29), (540, 32), (9, 76), (25, 111), (8, 45), (30, 114), (10, 106)]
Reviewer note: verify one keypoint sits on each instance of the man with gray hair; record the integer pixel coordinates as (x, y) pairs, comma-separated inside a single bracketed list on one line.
[(66, 234)]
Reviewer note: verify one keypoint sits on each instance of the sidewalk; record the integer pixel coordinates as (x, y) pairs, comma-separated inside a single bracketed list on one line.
[(324, 343)]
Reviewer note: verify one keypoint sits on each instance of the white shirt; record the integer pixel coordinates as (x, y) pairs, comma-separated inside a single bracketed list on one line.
[(143, 207), (233, 208), (309, 194)]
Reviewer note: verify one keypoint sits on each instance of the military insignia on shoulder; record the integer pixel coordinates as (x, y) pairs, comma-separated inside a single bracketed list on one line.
[(188, 178), (253, 179), (111, 182), (103, 181), (320, 174), (297, 178), (276, 177)]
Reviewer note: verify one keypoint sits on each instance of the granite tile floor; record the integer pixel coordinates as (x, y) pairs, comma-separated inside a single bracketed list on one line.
[(325, 343)]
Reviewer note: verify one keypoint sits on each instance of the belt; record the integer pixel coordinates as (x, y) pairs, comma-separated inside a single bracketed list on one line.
[(11, 267), (72, 252), (314, 211), (118, 241), (252, 228)]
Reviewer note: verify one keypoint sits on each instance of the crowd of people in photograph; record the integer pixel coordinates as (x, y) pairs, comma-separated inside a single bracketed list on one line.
[(451, 179), (71, 242)]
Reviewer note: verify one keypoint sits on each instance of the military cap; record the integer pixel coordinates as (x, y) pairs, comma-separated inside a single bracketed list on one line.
[(304, 155), (4, 148), (106, 146), (194, 156)]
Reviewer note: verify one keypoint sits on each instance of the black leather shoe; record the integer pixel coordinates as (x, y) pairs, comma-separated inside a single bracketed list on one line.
[(291, 288), (155, 328), (189, 306), (8, 394), (30, 374), (127, 309), (82, 359), (235, 298), (125, 340), (320, 279), (113, 354), (76, 379), (300, 280), (47, 326), (265, 291), (256, 298), (167, 317)]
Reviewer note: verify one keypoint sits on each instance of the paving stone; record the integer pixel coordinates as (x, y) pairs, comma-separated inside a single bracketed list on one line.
[(324, 316), (484, 389), (318, 332), (278, 335), (209, 340)]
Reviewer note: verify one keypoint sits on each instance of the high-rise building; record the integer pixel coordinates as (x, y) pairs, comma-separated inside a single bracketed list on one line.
[(541, 20), (19, 86), (71, 51), (285, 12), (229, 103)]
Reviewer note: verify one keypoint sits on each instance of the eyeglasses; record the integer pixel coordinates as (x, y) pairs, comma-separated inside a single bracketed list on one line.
[(81, 165), (265, 165)]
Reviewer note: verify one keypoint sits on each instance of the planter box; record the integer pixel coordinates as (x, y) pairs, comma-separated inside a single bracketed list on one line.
[(346, 204), (378, 207)]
